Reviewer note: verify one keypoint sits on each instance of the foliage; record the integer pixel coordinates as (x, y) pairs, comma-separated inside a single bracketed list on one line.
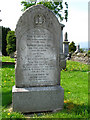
[(88, 53), (72, 47), (81, 50), (11, 42), (56, 7), (11, 116), (4, 42), (74, 80)]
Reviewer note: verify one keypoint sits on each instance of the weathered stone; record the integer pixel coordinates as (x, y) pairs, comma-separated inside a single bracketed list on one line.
[(37, 99), (37, 68), (66, 37), (80, 57), (77, 49), (62, 56), (62, 61), (66, 46), (80, 54)]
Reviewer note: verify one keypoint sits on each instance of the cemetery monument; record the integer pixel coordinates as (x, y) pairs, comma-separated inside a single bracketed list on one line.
[(62, 56), (37, 85), (66, 45), (77, 49)]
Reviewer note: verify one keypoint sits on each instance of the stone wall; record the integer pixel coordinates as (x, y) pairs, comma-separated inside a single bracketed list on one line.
[(81, 57)]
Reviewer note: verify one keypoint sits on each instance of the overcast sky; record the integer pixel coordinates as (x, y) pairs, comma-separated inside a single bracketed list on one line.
[(77, 25)]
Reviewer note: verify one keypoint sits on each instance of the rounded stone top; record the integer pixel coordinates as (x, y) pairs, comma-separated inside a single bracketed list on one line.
[(37, 15)]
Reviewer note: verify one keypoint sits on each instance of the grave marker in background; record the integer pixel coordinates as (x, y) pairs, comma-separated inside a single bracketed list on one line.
[(66, 45), (62, 56)]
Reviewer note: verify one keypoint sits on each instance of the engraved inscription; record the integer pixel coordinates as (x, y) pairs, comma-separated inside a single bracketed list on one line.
[(40, 57)]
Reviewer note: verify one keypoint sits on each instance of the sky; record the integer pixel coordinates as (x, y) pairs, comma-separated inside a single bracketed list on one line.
[(76, 27)]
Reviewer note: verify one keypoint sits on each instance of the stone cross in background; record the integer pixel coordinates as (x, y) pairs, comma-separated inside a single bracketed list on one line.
[(62, 56), (77, 48), (66, 37), (66, 45), (37, 85)]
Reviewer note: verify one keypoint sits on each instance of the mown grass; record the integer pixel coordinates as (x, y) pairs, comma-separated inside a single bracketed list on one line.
[(8, 80), (74, 80), (6, 59)]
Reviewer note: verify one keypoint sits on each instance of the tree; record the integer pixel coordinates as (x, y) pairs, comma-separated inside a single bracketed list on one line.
[(72, 47), (88, 53), (4, 42), (81, 50), (56, 7), (11, 42)]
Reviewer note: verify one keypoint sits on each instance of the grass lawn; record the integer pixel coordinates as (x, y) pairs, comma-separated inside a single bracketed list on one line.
[(7, 59), (74, 80)]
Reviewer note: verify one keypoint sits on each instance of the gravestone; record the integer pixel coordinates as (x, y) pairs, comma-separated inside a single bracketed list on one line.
[(66, 45), (77, 49), (62, 56), (37, 86)]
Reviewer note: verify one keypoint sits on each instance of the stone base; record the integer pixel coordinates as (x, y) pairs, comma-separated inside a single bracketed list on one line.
[(37, 99)]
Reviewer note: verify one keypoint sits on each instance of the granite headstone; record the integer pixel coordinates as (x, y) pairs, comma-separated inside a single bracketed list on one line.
[(37, 86)]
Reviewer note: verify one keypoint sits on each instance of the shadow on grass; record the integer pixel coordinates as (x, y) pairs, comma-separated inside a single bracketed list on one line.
[(34, 119), (8, 66), (75, 70), (76, 108), (80, 70), (6, 97), (69, 108)]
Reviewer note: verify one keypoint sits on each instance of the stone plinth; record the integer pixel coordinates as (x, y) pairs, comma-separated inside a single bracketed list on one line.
[(37, 99)]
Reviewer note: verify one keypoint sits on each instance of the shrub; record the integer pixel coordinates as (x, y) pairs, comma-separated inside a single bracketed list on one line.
[(88, 53), (81, 50), (11, 42), (4, 42), (72, 47)]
